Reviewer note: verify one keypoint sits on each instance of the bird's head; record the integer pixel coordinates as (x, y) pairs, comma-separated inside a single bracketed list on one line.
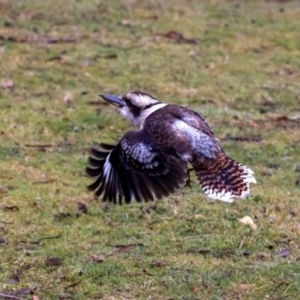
[(135, 106)]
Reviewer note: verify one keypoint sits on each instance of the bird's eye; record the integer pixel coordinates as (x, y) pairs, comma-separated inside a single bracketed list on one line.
[(128, 102)]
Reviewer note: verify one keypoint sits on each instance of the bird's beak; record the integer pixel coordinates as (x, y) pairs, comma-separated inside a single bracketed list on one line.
[(113, 99)]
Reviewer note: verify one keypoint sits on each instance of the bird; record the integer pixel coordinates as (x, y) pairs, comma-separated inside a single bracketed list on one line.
[(152, 162)]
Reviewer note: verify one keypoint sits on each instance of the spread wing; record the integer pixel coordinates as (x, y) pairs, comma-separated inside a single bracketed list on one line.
[(134, 168)]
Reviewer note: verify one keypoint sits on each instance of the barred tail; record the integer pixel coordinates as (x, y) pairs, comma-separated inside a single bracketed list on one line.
[(223, 178)]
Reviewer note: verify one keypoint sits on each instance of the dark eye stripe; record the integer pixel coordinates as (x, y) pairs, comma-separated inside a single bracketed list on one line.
[(136, 111), (129, 103)]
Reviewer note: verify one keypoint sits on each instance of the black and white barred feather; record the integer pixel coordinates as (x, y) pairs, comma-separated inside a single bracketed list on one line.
[(120, 176)]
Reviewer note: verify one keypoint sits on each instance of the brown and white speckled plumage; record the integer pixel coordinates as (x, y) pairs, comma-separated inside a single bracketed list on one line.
[(152, 162)]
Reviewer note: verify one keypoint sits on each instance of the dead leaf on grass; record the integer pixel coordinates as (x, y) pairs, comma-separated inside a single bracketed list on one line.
[(179, 37), (68, 97), (262, 256), (53, 261), (198, 216), (284, 252), (23, 291), (253, 124), (248, 221), (157, 263), (82, 207), (14, 279), (120, 250), (97, 258)]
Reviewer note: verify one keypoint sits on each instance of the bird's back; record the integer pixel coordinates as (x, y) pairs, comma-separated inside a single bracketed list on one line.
[(177, 129)]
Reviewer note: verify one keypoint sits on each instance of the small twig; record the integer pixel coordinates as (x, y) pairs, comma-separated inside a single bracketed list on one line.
[(50, 237), (44, 181), (108, 56), (43, 238), (5, 207), (134, 46), (121, 246), (243, 138), (10, 297), (47, 40), (41, 147), (179, 37), (38, 145), (120, 250), (73, 284), (147, 273)]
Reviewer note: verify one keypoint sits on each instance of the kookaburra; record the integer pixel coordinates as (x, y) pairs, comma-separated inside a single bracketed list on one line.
[(152, 162)]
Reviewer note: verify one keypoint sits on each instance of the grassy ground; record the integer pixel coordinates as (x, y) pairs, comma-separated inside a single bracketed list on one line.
[(237, 63)]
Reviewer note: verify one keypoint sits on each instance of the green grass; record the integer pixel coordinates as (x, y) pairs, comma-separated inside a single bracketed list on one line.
[(242, 76)]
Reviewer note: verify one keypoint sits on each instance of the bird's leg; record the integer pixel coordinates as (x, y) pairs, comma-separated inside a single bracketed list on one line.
[(188, 182)]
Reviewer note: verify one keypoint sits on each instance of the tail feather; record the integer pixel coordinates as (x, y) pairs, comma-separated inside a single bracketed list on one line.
[(223, 178)]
